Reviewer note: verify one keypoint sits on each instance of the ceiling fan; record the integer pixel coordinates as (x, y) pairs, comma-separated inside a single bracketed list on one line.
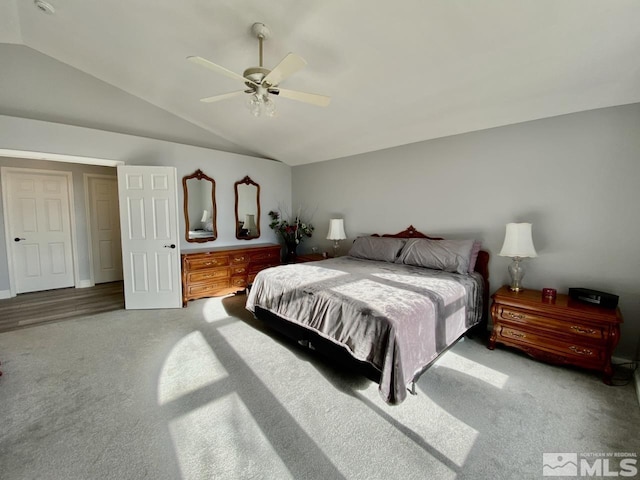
[(261, 82)]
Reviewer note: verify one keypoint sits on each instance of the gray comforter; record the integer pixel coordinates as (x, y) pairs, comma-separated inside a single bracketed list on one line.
[(398, 318)]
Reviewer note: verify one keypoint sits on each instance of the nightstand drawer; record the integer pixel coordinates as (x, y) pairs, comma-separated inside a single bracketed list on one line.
[(587, 353), (523, 317)]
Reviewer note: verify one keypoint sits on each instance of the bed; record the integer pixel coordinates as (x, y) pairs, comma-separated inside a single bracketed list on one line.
[(389, 308)]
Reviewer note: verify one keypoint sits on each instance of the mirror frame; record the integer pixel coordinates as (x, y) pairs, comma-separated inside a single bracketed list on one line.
[(247, 181), (199, 174)]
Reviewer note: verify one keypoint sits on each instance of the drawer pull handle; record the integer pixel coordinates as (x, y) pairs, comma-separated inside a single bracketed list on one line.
[(517, 335), (583, 330), (519, 316), (238, 259), (581, 351), (240, 270)]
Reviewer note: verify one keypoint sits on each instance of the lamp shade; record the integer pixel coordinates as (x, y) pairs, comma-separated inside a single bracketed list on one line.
[(205, 216), (336, 229), (249, 222), (518, 241)]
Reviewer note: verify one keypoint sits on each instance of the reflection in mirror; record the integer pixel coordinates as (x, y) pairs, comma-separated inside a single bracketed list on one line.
[(247, 209), (199, 207)]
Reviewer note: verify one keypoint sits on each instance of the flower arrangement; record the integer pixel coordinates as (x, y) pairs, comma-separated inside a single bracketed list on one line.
[(292, 232)]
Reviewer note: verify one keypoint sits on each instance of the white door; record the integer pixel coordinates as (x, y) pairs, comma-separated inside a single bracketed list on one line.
[(39, 230), (149, 232), (105, 229)]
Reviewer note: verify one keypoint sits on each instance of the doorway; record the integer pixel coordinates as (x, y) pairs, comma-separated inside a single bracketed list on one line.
[(39, 226), (103, 228)]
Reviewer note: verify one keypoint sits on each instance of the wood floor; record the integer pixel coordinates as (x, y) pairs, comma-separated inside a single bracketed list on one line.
[(29, 309)]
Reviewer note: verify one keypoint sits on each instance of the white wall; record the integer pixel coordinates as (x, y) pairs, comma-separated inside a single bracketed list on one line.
[(576, 178), (225, 168)]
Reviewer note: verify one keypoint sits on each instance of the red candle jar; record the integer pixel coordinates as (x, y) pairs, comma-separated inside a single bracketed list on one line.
[(549, 293)]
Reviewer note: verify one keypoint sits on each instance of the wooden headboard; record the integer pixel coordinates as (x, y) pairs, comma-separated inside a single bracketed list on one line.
[(482, 263)]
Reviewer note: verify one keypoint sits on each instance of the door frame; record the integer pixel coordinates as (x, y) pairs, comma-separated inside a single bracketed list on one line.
[(72, 220), (87, 204)]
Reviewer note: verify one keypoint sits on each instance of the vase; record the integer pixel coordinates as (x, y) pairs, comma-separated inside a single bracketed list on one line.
[(291, 252)]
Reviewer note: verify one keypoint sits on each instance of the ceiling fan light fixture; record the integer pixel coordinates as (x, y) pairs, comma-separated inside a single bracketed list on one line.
[(260, 105)]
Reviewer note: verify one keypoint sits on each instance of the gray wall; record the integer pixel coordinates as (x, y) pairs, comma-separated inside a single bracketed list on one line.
[(576, 178), (225, 168)]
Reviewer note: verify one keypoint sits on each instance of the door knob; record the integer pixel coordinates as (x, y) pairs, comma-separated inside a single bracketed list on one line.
[(17, 239), (170, 246)]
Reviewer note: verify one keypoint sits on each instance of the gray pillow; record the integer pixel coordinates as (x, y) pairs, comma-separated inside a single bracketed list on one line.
[(446, 255), (377, 248)]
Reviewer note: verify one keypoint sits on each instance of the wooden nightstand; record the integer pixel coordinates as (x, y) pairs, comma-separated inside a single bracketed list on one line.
[(563, 331), (311, 257)]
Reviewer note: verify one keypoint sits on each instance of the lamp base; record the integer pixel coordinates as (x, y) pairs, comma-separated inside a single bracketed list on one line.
[(516, 272), (336, 247)]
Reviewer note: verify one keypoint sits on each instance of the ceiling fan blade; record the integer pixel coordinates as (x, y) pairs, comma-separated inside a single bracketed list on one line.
[(312, 98), (288, 66), (217, 68), (224, 96)]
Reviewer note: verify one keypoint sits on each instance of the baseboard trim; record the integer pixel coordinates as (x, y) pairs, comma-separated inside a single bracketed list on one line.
[(5, 294), (617, 360), (85, 284)]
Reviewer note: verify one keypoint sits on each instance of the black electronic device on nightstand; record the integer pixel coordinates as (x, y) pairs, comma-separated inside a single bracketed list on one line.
[(594, 297)]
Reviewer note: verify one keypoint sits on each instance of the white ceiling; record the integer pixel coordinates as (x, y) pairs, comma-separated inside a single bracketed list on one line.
[(397, 72)]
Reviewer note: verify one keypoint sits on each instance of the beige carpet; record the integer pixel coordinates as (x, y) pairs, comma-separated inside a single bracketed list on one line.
[(206, 393)]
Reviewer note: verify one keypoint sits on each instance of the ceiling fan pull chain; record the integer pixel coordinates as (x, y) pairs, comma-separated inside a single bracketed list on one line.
[(260, 39)]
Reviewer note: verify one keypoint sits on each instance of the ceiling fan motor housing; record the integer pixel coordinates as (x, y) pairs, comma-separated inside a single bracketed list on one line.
[(260, 30), (256, 75)]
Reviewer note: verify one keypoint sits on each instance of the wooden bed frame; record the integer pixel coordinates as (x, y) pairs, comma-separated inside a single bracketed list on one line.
[(340, 355)]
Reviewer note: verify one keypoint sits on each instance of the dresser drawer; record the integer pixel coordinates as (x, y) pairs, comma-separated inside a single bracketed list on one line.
[(207, 262), (203, 289), (255, 268), (240, 282), (208, 274), (266, 256), (586, 353), (523, 317), (239, 270), (239, 258)]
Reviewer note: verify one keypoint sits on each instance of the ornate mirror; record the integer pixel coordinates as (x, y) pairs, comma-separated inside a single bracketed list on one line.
[(247, 209), (199, 207)]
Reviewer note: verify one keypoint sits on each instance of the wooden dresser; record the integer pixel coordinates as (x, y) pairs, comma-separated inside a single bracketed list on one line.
[(563, 331), (220, 271)]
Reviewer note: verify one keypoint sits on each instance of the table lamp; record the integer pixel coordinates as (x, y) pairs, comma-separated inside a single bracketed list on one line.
[(518, 244), (336, 233)]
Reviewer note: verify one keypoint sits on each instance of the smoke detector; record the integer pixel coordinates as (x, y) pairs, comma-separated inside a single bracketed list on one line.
[(44, 7)]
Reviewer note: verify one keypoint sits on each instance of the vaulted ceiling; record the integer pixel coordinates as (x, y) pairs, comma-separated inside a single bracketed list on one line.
[(396, 72)]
